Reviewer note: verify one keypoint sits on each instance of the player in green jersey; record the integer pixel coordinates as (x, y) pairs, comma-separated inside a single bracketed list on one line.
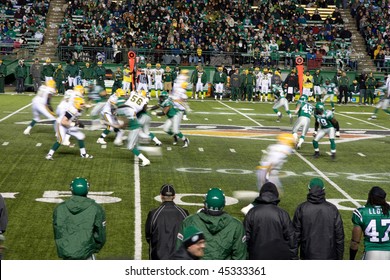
[(325, 125), (304, 110), (280, 101), (372, 221)]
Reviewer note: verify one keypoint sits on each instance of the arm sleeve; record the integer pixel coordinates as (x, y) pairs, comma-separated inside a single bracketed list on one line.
[(100, 228), (239, 246), (148, 227), (297, 230)]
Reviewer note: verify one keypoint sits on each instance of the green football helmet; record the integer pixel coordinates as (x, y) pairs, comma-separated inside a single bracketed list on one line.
[(79, 186), (163, 96), (303, 98), (215, 199), (319, 108)]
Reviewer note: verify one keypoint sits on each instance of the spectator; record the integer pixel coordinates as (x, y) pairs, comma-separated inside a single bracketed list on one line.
[(48, 70), (3, 74), (79, 224), (20, 75), (35, 72), (193, 245), (354, 89), (163, 224), (319, 231), (3, 223), (225, 235), (372, 221), (269, 231)]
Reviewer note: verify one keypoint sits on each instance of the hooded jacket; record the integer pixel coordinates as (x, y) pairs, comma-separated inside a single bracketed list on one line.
[(318, 228), (269, 231), (224, 235), (79, 228)]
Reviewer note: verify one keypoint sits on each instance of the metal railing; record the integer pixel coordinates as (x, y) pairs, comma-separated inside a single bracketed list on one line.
[(177, 57)]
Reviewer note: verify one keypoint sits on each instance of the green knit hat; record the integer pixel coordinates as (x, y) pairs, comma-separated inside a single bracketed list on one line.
[(191, 235), (316, 182)]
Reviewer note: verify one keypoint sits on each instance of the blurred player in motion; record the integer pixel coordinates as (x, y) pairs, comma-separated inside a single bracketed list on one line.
[(41, 104), (271, 163)]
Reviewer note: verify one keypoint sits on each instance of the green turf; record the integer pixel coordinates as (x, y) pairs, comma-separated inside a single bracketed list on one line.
[(227, 140)]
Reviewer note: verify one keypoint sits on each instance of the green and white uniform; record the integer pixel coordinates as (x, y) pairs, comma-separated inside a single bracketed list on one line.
[(326, 128), (376, 228), (279, 93), (304, 115), (330, 90)]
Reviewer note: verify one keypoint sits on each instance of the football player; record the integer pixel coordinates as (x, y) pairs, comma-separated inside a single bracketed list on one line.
[(133, 105), (219, 80), (304, 110), (280, 98), (41, 104), (172, 124), (68, 123), (330, 90), (108, 115), (158, 79), (271, 163), (325, 125), (383, 103)]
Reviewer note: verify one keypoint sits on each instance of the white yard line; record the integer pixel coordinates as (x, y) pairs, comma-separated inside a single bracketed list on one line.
[(242, 114), (138, 217), (360, 120), (17, 111)]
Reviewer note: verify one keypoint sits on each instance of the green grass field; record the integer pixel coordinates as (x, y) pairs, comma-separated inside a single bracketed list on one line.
[(227, 142)]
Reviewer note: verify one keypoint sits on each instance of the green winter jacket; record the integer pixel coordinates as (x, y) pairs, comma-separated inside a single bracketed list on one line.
[(224, 234), (219, 77), (88, 73), (48, 70), (21, 71), (72, 70), (79, 228)]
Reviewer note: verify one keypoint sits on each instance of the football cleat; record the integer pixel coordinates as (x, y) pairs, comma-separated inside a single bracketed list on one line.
[(86, 156), (337, 133), (49, 157), (174, 139), (316, 154), (27, 131), (185, 118), (101, 141), (118, 142), (186, 143), (146, 162), (333, 156), (158, 143)]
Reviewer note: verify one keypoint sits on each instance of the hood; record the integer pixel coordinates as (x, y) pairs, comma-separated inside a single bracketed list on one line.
[(215, 222), (77, 204), (267, 198), (316, 196)]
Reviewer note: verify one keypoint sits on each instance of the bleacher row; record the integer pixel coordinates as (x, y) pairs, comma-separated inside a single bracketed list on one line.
[(14, 46)]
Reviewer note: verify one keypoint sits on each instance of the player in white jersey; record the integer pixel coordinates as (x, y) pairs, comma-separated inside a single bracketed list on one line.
[(384, 95), (66, 102), (179, 94), (272, 162), (158, 79), (265, 85), (108, 115), (149, 73), (41, 104), (133, 105), (68, 123), (258, 77)]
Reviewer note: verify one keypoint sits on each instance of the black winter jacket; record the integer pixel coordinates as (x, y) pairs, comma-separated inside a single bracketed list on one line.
[(318, 228), (269, 231), (161, 229)]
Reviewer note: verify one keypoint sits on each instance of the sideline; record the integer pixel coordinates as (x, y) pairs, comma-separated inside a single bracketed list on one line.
[(14, 113), (242, 114), (138, 216)]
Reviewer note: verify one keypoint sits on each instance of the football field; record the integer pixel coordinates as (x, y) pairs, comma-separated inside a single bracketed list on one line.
[(227, 140)]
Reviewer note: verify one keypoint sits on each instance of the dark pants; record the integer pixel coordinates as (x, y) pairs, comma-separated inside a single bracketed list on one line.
[(2, 83), (19, 85), (37, 83), (343, 90)]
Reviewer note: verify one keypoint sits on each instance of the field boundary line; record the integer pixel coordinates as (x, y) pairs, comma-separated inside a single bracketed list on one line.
[(242, 114), (14, 113), (138, 216)]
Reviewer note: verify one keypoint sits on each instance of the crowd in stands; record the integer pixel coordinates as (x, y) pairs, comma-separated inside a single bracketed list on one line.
[(20, 21), (373, 22), (180, 32)]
